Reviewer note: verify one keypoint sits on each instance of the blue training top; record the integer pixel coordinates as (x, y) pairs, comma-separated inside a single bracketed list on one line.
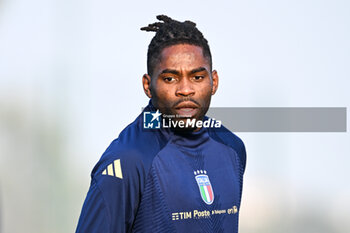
[(164, 181)]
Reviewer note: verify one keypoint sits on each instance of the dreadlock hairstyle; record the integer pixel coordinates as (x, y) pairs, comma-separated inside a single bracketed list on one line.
[(171, 32)]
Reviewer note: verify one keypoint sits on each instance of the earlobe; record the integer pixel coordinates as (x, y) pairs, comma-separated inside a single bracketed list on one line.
[(146, 83), (215, 77)]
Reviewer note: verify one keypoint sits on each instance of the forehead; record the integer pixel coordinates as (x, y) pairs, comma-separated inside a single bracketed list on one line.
[(182, 56)]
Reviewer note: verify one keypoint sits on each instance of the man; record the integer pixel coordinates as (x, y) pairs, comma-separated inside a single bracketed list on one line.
[(179, 177)]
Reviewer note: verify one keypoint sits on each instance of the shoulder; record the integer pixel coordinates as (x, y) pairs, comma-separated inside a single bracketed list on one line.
[(226, 137), (128, 156), (118, 161)]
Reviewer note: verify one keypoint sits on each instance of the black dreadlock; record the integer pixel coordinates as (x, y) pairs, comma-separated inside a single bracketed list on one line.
[(172, 32)]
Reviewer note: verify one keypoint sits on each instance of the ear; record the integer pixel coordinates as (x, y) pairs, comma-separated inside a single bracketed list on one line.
[(215, 78), (146, 83)]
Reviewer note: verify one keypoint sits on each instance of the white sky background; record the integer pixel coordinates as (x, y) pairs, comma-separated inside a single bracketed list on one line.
[(70, 81)]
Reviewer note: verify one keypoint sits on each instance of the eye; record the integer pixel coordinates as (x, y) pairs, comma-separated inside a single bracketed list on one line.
[(198, 77), (169, 79)]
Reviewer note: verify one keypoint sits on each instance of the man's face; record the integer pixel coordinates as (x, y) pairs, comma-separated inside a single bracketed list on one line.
[(182, 82)]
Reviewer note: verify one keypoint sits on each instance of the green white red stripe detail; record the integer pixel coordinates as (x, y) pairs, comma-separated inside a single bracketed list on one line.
[(205, 187)]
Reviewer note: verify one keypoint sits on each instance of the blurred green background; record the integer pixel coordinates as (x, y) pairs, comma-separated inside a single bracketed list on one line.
[(70, 81)]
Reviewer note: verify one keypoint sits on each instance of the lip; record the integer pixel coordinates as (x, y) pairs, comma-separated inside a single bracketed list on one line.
[(186, 104), (186, 109)]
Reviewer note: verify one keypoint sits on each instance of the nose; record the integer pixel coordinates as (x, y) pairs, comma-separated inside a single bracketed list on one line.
[(184, 88)]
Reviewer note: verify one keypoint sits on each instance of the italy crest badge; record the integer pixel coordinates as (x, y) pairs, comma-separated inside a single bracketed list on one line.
[(204, 186)]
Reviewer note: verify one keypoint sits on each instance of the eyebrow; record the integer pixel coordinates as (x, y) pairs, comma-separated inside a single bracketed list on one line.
[(171, 71), (199, 69)]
